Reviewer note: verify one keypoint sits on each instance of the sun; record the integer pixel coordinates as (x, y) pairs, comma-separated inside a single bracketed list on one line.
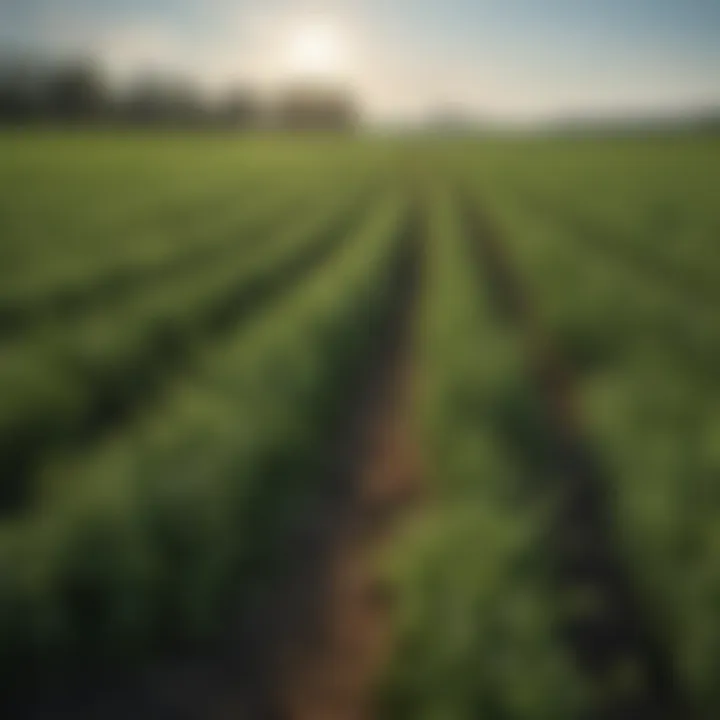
[(316, 49)]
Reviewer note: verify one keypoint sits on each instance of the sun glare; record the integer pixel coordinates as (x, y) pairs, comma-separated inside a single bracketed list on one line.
[(316, 49)]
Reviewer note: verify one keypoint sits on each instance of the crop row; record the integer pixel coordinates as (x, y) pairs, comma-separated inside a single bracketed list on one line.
[(66, 384), (74, 226), (174, 238), (477, 613), (140, 541), (652, 206), (646, 364)]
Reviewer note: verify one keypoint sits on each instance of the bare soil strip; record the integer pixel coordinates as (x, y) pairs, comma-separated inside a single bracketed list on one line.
[(339, 632), (611, 635)]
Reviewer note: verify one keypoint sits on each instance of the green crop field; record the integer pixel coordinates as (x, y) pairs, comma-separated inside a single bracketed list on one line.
[(186, 326)]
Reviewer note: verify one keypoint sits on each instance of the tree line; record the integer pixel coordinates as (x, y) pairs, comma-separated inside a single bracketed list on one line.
[(77, 92)]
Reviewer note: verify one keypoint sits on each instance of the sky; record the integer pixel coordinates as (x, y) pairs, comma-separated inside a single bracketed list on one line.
[(505, 59)]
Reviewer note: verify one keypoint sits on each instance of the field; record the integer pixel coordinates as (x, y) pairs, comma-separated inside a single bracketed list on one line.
[(425, 425)]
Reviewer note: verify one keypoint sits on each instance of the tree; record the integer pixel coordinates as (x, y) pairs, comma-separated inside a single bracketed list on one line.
[(75, 91), (310, 107), (20, 91), (240, 108)]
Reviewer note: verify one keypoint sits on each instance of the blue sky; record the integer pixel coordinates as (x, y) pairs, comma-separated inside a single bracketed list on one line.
[(508, 58)]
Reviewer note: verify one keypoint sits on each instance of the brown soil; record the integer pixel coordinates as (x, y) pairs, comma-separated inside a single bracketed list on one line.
[(331, 675), (328, 659)]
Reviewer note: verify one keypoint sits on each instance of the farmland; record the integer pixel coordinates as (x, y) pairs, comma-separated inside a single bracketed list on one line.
[(480, 374)]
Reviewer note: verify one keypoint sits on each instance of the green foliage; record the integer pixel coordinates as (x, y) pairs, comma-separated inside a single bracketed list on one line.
[(141, 534), (617, 244), (182, 317), (476, 618)]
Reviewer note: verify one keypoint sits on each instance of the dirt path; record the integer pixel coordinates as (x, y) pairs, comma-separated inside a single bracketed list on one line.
[(613, 637), (338, 635), (329, 674)]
